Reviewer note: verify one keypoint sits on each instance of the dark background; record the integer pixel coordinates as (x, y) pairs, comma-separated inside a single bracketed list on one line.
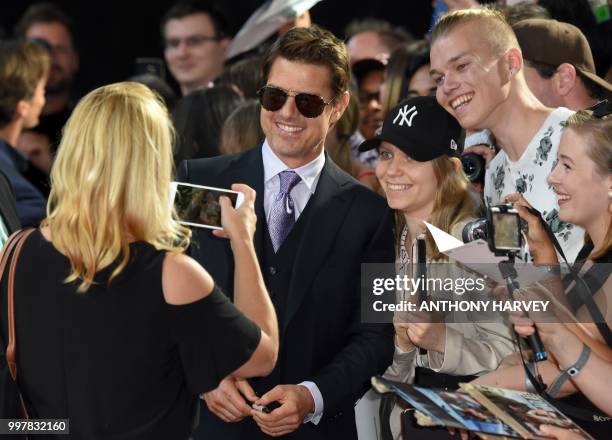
[(113, 33)]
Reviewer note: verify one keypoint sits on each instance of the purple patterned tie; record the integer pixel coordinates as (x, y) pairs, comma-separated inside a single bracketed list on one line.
[(282, 215)]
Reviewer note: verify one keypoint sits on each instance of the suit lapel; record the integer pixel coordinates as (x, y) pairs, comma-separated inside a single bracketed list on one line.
[(326, 215), (248, 169)]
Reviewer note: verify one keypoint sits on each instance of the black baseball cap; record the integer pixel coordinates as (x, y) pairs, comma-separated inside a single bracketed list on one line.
[(421, 128)]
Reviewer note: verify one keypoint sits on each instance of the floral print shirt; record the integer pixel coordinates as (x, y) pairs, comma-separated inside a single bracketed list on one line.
[(527, 176)]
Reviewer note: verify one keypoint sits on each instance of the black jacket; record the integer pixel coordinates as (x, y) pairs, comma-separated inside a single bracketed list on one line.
[(322, 339)]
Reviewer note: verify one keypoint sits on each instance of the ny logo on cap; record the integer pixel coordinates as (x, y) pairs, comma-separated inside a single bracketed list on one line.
[(403, 113), (453, 145)]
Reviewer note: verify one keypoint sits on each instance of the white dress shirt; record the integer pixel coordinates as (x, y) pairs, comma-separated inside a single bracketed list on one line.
[(300, 193)]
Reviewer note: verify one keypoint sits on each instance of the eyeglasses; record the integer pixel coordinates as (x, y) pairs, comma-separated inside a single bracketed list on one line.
[(192, 41), (273, 99)]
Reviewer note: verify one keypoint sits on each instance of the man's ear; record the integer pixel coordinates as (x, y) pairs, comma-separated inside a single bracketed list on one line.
[(22, 108), (225, 42), (565, 78), (340, 104), (514, 60)]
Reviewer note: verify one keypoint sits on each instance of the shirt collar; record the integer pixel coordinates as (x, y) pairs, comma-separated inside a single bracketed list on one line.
[(308, 173)]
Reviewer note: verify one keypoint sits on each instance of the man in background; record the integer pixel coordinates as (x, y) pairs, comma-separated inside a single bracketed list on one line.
[(46, 22), (373, 39), (559, 67), (196, 37), (24, 66)]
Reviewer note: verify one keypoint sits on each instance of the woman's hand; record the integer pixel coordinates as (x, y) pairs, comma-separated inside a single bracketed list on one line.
[(238, 224), (402, 340), (540, 246), (552, 334), (421, 330)]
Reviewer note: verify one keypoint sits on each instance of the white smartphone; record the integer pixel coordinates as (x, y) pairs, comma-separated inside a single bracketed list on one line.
[(198, 205)]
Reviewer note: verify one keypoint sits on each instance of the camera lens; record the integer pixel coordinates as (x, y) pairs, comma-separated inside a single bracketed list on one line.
[(474, 167), (475, 230)]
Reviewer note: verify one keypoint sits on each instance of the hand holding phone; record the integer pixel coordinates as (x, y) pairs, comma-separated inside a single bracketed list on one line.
[(239, 222)]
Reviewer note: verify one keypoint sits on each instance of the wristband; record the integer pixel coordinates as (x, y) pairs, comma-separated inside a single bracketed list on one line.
[(571, 371)]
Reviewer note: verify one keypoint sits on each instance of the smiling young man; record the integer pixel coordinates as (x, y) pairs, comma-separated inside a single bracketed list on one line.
[(478, 68), (316, 225), (195, 41)]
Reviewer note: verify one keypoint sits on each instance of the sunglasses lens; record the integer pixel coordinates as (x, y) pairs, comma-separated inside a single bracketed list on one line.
[(309, 105), (272, 99)]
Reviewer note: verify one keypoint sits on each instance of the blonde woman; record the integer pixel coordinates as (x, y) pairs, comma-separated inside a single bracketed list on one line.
[(119, 331), (421, 175), (582, 180)]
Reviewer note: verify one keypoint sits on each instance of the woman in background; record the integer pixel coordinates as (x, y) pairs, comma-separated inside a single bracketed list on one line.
[(338, 145), (199, 117), (242, 128), (582, 180), (407, 74)]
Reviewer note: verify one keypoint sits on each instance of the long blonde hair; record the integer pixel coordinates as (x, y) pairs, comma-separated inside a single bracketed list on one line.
[(451, 205), (110, 181)]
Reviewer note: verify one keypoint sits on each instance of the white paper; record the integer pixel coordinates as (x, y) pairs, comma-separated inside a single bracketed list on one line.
[(477, 256)]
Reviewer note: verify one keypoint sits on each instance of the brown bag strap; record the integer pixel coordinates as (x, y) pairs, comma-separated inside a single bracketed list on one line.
[(14, 242), (12, 338)]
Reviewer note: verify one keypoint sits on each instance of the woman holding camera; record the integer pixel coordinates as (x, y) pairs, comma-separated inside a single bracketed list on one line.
[(118, 330), (423, 180), (581, 351)]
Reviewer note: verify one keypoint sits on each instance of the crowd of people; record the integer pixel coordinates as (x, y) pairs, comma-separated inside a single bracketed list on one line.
[(132, 325)]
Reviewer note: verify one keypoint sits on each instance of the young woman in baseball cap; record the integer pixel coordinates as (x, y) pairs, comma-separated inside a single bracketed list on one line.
[(421, 175)]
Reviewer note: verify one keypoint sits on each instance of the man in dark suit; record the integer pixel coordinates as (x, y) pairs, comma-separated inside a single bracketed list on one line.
[(316, 225), (8, 211)]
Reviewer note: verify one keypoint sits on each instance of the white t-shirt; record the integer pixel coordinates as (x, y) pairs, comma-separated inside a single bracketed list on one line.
[(527, 176)]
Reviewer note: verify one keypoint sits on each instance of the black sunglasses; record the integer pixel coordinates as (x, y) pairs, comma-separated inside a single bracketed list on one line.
[(273, 98)]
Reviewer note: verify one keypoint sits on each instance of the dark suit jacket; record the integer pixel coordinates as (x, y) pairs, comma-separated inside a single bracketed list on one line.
[(322, 339), (31, 204), (8, 211)]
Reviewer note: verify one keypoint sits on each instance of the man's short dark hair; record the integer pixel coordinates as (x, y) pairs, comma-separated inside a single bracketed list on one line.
[(545, 71), (523, 11), (190, 7), (313, 46), (392, 36), (594, 90), (44, 13)]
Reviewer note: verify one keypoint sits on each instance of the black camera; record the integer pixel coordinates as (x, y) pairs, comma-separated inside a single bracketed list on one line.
[(474, 167), (501, 229)]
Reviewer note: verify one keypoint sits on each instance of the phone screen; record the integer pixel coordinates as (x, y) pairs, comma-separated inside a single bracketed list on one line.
[(506, 231), (199, 205)]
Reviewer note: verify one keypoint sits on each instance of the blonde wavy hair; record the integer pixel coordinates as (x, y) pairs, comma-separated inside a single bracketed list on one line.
[(110, 181), (452, 204)]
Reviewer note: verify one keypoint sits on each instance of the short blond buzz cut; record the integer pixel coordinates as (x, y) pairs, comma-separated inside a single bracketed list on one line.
[(498, 33)]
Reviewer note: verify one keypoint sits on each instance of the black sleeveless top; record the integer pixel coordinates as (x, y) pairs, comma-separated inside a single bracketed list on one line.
[(118, 361)]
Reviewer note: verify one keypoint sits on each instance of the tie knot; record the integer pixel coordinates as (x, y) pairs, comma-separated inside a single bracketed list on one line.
[(288, 179)]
